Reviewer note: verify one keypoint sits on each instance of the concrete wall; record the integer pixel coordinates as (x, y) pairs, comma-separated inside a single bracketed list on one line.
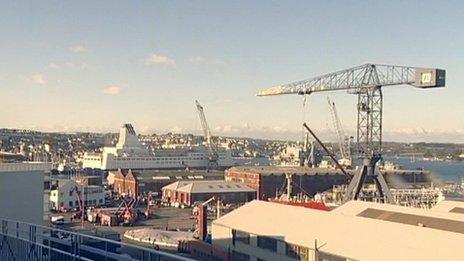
[(22, 194), (222, 238)]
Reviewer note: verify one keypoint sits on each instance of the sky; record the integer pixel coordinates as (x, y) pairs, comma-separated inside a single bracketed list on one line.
[(93, 65)]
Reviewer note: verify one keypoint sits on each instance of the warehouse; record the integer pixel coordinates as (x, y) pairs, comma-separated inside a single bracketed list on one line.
[(355, 231), (132, 183), (188, 192), (267, 180)]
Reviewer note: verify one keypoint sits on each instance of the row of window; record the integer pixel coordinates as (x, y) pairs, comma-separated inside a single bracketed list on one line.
[(86, 202), (165, 159), (94, 159), (270, 244)]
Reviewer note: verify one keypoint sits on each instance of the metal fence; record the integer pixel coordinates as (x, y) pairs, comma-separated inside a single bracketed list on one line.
[(24, 241)]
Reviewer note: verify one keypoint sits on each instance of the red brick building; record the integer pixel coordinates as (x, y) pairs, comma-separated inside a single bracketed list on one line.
[(267, 180), (125, 184), (141, 182)]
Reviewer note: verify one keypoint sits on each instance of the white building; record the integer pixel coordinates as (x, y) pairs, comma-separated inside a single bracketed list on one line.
[(22, 193), (64, 197), (355, 231)]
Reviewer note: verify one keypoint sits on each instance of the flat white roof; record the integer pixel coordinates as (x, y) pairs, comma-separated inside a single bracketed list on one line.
[(354, 208), (345, 234), (208, 186), (450, 206), (25, 166)]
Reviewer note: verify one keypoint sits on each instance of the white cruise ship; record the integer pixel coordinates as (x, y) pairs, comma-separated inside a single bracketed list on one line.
[(129, 153)]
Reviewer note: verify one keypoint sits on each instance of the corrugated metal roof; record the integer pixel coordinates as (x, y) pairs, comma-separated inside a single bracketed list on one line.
[(208, 186), (457, 210), (344, 234), (448, 205), (415, 220)]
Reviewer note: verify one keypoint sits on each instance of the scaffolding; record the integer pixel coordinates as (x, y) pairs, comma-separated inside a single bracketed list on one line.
[(424, 198)]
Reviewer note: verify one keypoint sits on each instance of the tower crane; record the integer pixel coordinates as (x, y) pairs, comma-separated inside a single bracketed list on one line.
[(344, 142), (213, 155), (366, 81)]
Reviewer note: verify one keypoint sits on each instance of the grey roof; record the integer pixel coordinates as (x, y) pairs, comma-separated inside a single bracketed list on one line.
[(176, 185), (450, 206), (345, 234), (208, 186), (415, 220)]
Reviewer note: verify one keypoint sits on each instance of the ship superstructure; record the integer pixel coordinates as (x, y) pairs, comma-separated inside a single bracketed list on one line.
[(129, 153)]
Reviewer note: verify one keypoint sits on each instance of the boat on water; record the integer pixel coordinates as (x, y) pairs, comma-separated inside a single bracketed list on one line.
[(130, 153)]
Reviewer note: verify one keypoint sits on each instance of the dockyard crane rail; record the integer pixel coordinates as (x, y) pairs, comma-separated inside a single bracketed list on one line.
[(366, 81), (213, 158)]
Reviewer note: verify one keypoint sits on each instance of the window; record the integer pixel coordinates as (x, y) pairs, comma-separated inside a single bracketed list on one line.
[(267, 243), (70, 203), (240, 236), (237, 256), (100, 201), (296, 251)]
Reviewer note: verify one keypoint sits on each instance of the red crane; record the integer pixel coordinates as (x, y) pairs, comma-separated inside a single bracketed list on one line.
[(78, 193)]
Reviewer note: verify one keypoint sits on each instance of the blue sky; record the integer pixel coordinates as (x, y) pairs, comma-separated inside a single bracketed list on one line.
[(93, 65)]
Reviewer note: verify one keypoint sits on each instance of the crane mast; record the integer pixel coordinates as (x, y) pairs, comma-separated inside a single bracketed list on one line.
[(366, 81), (213, 155), (344, 142)]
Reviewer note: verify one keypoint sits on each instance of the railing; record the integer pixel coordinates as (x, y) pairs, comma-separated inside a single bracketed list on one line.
[(24, 241)]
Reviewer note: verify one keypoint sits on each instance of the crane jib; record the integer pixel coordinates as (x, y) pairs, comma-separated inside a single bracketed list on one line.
[(369, 75)]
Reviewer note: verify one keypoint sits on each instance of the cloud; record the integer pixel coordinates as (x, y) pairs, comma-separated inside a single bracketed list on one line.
[(205, 60), (112, 90), (78, 49), (419, 134), (53, 66), (159, 59), (38, 79)]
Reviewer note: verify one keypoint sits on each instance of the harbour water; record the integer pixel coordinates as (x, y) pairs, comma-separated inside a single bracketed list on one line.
[(441, 170)]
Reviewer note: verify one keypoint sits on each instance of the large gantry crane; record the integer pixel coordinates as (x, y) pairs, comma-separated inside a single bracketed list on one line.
[(213, 155), (366, 81), (344, 142)]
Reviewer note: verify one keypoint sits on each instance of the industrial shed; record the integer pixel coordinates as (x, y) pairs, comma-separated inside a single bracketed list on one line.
[(188, 192), (270, 231), (266, 180), (133, 183)]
